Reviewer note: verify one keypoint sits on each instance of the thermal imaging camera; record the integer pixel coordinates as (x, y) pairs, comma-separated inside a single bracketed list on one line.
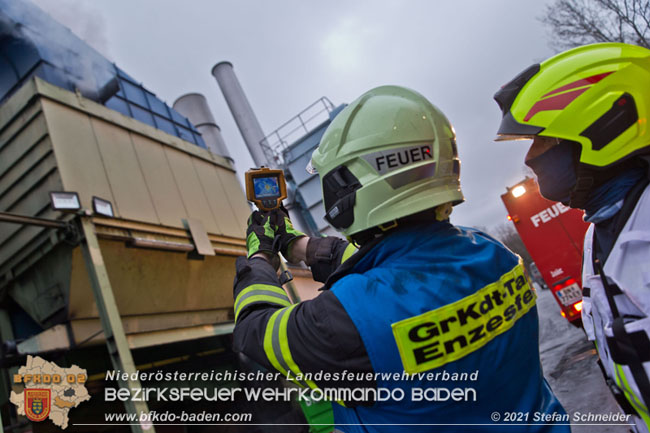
[(265, 187)]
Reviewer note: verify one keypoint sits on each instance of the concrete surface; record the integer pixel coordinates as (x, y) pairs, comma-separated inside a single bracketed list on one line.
[(569, 362)]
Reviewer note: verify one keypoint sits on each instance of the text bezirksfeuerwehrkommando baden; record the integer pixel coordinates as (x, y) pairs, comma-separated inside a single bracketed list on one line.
[(380, 393), (289, 394)]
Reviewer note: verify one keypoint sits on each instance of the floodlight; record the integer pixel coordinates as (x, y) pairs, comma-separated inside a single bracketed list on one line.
[(518, 191), (65, 201), (103, 207)]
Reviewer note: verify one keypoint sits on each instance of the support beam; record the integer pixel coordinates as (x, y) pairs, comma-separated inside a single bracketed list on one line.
[(58, 337), (118, 347), (34, 221)]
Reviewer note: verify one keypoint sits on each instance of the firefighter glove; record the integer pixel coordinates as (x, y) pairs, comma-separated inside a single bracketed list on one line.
[(260, 234), (285, 232)]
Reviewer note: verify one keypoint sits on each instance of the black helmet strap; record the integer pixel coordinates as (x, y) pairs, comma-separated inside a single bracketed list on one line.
[(339, 195), (584, 184)]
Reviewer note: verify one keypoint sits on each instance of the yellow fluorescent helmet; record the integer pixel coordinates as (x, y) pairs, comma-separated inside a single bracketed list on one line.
[(596, 95)]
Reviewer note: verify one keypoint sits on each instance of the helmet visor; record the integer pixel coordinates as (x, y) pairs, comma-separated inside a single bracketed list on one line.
[(514, 137)]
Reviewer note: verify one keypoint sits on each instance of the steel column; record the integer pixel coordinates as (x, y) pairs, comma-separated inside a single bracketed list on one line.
[(118, 347)]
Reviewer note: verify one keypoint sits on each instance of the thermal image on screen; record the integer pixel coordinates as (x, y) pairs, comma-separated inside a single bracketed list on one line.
[(266, 187)]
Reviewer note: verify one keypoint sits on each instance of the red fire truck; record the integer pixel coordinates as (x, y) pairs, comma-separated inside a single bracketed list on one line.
[(553, 235)]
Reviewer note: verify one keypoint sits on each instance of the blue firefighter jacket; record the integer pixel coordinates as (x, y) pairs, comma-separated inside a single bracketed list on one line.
[(453, 307)]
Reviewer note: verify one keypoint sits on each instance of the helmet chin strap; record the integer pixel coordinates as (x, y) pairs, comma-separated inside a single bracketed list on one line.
[(438, 213), (584, 184), (590, 178)]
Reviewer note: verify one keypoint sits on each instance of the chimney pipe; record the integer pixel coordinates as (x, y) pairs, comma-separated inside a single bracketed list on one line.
[(241, 110), (195, 107)]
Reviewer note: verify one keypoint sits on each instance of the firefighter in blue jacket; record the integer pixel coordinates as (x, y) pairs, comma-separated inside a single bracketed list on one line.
[(449, 306)]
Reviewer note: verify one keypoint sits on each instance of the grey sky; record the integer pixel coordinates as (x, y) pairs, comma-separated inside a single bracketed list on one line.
[(287, 54)]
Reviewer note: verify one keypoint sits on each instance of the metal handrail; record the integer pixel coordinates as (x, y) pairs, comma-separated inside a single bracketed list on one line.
[(273, 150)]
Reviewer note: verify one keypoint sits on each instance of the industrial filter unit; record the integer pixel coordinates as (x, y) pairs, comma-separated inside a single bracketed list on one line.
[(141, 277)]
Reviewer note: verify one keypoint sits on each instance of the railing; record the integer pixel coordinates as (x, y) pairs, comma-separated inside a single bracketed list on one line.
[(298, 126)]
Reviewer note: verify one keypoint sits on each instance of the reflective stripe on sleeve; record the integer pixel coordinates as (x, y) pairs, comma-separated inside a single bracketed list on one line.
[(260, 293), (276, 346), (347, 253)]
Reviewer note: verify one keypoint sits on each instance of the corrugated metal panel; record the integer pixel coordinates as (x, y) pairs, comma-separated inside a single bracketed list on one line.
[(216, 197), (233, 193), (165, 195), (14, 237), (15, 145), (33, 205), (193, 195), (45, 294), (132, 197), (145, 179), (27, 174), (32, 157), (169, 282), (297, 167), (24, 186), (77, 154), (311, 193)]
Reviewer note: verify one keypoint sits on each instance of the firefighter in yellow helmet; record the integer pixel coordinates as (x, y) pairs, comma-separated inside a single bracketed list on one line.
[(587, 110), (420, 297)]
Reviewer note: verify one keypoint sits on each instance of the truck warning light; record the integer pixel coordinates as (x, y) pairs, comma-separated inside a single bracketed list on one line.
[(518, 191)]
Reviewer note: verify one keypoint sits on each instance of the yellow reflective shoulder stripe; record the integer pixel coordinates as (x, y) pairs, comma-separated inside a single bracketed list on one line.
[(453, 331), (347, 253), (260, 293), (276, 347)]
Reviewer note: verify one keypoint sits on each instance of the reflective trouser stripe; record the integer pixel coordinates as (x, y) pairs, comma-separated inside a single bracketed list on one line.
[(276, 346), (260, 293), (623, 384), (347, 253)]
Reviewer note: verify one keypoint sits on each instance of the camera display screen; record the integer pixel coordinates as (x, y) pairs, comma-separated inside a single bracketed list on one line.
[(266, 187)]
